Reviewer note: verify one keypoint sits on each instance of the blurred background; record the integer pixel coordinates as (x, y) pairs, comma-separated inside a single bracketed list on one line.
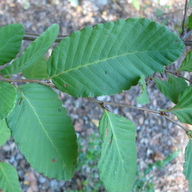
[(160, 143)]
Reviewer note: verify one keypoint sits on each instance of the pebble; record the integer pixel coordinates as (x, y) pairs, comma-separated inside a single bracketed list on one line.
[(12, 159), (100, 2), (42, 179), (53, 184)]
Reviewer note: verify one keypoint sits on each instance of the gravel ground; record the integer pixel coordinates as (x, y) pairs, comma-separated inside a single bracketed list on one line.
[(156, 137)]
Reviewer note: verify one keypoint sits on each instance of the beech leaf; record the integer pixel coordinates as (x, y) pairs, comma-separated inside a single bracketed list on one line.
[(187, 63), (173, 88), (8, 178), (143, 97), (183, 109), (8, 95), (5, 132), (188, 163), (44, 132), (37, 71), (117, 165), (10, 41), (33, 52), (109, 58)]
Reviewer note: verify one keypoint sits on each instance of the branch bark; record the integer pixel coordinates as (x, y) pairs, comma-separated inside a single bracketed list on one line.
[(161, 113), (101, 103), (178, 75), (188, 43), (48, 83), (184, 20), (32, 37)]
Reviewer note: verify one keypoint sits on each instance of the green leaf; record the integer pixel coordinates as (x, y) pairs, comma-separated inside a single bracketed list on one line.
[(189, 22), (136, 4), (188, 163), (44, 132), (189, 134), (172, 88), (4, 132), (34, 52), (8, 178), (111, 57), (10, 41), (143, 97), (117, 165), (161, 163), (8, 96), (37, 71), (183, 109), (187, 63)]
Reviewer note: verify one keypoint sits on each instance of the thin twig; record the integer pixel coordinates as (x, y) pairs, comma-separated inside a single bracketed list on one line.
[(176, 74), (32, 37), (138, 108), (123, 105), (49, 84), (186, 35), (184, 19), (188, 43), (173, 12), (178, 124)]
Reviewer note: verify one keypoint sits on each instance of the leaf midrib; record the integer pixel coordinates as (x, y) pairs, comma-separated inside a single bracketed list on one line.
[(7, 179), (99, 61), (115, 138), (36, 114)]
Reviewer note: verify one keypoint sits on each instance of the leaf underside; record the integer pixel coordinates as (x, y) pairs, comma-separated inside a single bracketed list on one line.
[(33, 52), (4, 132), (10, 41), (8, 96), (8, 178), (117, 165), (187, 63), (143, 97), (111, 57), (188, 163), (37, 71), (43, 131), (189, 23), (183, 109), (173, 88)]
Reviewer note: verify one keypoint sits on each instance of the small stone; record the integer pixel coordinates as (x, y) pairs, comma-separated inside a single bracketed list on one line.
[(42, 179)]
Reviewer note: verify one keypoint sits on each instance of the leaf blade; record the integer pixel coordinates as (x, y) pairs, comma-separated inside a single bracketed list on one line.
[(10, 41), (173, 88), (188, 162), (39, 122), (184, 107), (8, 178), (33, 52), (4, 132), (143, 97), (187, 63), (118, 156), (8, 96), (136, 4), (189, 22), (37, 71), (115, 55)]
